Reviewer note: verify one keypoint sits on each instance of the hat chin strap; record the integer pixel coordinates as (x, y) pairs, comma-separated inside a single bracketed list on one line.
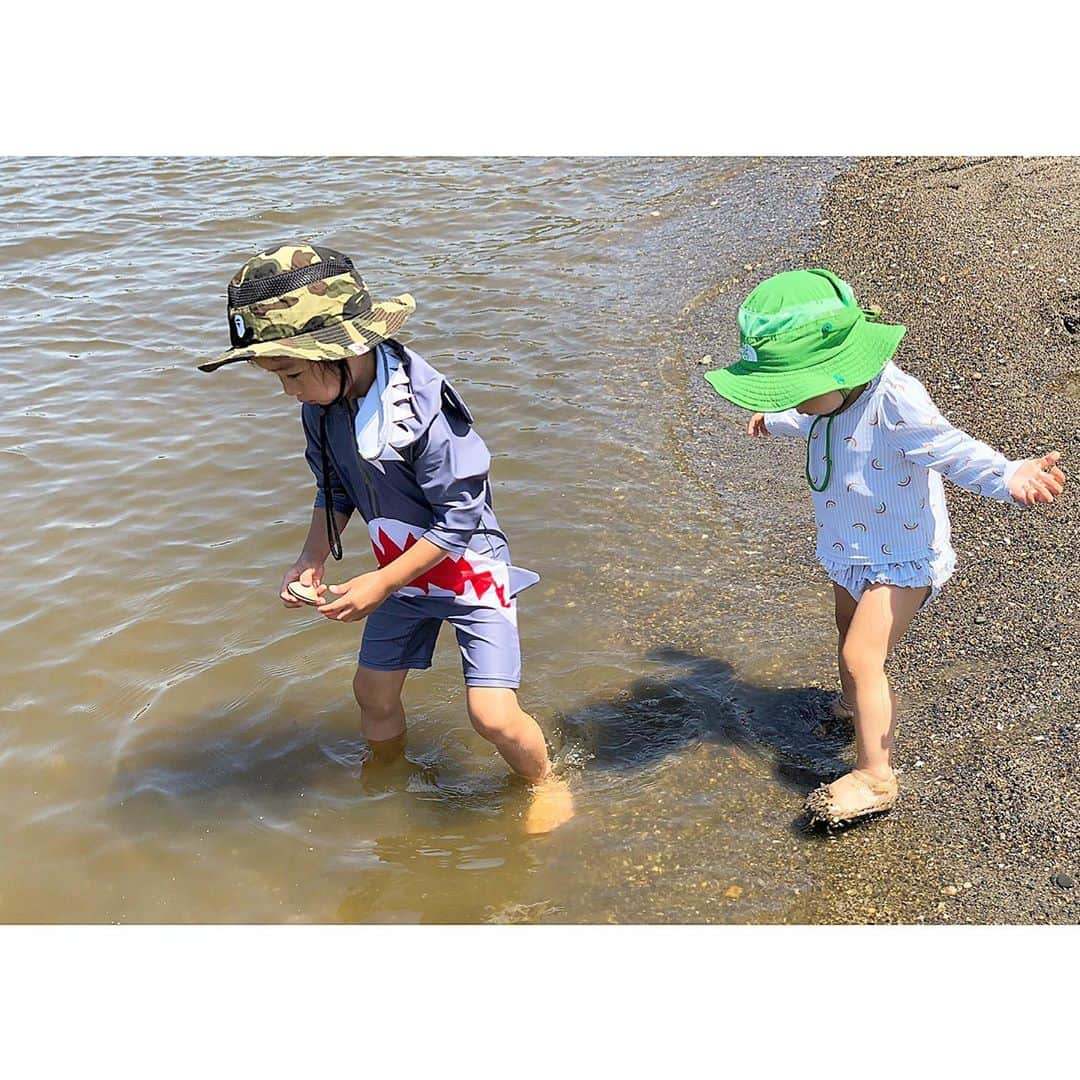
[(845, 393), (332, 533)]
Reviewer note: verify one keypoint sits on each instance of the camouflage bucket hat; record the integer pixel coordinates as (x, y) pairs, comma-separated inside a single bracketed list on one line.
[(306, 302)]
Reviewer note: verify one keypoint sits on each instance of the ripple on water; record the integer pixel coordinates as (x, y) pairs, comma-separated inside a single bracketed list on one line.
[(214, 766)]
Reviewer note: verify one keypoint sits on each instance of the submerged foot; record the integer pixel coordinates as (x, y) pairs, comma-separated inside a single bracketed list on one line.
[(855, 795), (552, 805)]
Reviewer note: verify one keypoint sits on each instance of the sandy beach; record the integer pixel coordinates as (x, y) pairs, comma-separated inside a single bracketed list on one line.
[(977, 257)]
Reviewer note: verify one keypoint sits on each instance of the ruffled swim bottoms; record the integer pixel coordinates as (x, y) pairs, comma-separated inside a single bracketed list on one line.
[(855, 577)]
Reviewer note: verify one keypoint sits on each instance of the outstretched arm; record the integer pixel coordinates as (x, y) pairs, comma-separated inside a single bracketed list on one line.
[(922, 434)]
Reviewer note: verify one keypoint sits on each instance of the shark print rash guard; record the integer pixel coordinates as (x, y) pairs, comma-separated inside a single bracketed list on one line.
[(408, 460), (885, 500)]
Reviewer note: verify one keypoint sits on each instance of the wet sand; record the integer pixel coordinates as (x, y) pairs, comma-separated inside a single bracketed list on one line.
[(977, 257)]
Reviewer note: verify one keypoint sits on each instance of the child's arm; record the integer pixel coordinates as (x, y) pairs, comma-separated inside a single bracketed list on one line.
[(310, 566), (452, 469), (922, 434), (311, 563), (790, 423), (451, 463), (360, 596)]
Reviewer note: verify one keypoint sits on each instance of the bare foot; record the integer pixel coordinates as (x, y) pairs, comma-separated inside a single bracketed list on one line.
[(854, 795), (552, 805)]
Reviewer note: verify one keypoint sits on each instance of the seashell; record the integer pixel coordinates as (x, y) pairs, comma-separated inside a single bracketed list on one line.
[(306, 593)]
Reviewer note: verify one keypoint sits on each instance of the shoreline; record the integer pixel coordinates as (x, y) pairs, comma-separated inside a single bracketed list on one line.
[(976, 258)]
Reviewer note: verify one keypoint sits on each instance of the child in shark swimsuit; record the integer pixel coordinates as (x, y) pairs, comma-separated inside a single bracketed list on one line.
[(388, 437), (877, 448)]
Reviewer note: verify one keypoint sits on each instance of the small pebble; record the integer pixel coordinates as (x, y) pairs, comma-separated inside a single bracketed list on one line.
[(950, 890), (1063, 881)]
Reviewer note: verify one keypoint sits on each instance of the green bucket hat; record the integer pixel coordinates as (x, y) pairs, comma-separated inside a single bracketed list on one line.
[(306, 302), (802, 334)]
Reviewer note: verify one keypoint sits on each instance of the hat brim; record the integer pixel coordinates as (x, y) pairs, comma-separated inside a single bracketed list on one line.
[(865, 351), (334, 342)]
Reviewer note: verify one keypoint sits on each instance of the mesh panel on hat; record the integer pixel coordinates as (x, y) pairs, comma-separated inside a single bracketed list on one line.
[(753, 324), (792, 299), (257, 289)]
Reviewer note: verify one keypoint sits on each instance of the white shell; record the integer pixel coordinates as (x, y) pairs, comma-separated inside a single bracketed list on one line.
[(304, 592)]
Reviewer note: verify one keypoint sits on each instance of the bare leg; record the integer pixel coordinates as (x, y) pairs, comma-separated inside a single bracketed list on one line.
[(496, 714), (844, 604), (382, 715), (882, 615)]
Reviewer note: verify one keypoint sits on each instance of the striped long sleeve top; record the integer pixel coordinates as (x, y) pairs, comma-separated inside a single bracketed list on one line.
[(885, 499)]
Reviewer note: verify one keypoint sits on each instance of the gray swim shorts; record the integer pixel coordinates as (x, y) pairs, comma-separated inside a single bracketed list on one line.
[(401, 634)]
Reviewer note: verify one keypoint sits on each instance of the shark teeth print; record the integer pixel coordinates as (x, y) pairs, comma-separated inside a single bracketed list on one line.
[(904, 482), (880, 508)]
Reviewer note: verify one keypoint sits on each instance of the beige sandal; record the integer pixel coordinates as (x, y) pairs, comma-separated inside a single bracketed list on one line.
[(881, 796)]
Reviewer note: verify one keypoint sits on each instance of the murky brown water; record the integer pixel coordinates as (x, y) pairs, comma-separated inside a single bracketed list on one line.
[(176, 747)]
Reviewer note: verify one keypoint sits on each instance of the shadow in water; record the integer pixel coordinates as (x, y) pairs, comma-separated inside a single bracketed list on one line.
[(694, 698), (690, 698), (220, 760)]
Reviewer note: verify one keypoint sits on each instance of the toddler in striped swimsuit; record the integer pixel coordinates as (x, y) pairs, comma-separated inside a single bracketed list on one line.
[(820, 368)]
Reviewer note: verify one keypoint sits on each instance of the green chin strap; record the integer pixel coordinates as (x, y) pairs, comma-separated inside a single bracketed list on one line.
[(828, 418)]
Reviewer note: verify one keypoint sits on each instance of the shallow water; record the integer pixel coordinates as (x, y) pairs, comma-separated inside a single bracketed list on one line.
[(177, 747)]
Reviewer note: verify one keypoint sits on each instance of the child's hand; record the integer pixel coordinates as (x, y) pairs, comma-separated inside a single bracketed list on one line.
[(1037, 480), (757, 427), (307, 573), (357, 598)]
